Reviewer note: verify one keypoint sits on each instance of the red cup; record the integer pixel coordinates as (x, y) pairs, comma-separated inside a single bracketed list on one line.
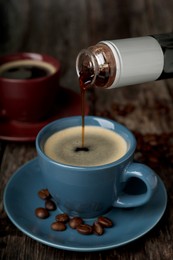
[(29, 85)]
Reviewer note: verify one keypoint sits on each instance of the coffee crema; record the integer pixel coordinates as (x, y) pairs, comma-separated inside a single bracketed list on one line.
[(26, 69), (102, 146)]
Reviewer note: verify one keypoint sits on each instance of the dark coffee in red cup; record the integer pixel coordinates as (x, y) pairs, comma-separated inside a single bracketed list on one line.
[(28, 86)]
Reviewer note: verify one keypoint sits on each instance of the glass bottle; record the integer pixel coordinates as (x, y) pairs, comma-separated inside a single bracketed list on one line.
[(117, 63)]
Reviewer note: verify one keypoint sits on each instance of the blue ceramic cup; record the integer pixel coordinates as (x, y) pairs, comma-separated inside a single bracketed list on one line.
[(93, 190)]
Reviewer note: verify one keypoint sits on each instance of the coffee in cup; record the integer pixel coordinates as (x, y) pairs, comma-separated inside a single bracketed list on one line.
[(102, 146), (26, 69), (28, 86), (89, 190)]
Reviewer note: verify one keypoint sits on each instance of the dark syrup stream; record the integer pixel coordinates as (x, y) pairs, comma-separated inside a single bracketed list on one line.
[(85, 80)]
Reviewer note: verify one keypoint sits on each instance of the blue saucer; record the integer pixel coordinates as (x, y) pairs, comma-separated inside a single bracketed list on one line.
[(21, 199)]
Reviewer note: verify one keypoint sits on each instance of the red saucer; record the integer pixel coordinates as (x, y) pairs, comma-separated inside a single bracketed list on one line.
[(68, 104)]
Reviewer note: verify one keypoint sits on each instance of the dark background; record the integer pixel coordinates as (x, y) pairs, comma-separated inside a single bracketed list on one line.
[(62, 28)]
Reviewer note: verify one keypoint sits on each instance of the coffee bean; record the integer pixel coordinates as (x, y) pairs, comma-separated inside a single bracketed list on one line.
[(44, 194), (41, 213), (84, 229), (62, 217), (98, 229), (50, 205), (104, 221), (75, 222), (58, 226)]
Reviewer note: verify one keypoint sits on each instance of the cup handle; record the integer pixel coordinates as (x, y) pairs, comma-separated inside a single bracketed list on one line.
[(2, 112), (146, 175)]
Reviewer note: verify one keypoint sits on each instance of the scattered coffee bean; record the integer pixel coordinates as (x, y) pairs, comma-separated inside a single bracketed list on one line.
[(58, 226), (62, 217), (42, 213), (44, 194), (50, 205), (75, 222), (98, 229), (84, 229), (104, 221)]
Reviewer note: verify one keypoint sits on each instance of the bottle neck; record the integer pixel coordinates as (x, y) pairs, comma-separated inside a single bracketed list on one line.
[(96, 66)]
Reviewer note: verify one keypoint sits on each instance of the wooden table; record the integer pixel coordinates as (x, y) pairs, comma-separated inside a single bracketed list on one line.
[(145, 109)]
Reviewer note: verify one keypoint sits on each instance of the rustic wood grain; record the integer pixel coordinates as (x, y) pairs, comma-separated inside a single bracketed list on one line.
[(61, 29)]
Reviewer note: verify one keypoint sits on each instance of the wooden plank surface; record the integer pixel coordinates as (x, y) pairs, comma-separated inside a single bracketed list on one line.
[(61, 29)]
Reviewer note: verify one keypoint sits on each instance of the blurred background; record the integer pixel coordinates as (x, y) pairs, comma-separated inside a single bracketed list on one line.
[(62, 28)]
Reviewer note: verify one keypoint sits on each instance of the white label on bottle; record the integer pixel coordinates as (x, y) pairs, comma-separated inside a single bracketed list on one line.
[(138, 60)]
